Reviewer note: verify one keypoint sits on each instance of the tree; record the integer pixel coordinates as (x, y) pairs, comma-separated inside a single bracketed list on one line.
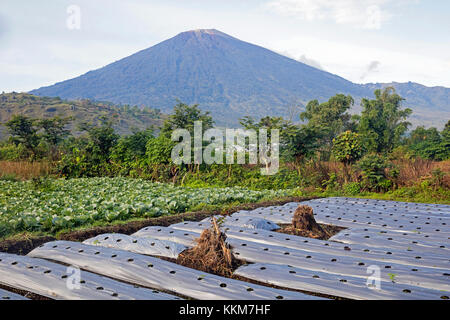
[(184, 117), (421, 134), (101, 139), (132, 147), (23, 131), (328, 119), (285, 127), (375, 173), (159, 150), (428, 144), (90, 155), (54, 129), (382, 122), (446, 132), (294, 141), (445, 143), (347, 147)]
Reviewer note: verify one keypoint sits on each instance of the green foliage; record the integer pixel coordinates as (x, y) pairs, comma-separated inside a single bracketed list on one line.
[(8, 177), (100, 151), (49, 205), (429, 143), (101, 139), (328, 119), (23, 131), (33, 137), (221, 175), (294, 142), (438, 177), (132, 147), (90, 155), (184, 116), (374, 170), (382, 121), (13, 152), (352, 188), (331, 183), (347, 147), (392, 276), (54, 129), (159, 150), (43, 184)]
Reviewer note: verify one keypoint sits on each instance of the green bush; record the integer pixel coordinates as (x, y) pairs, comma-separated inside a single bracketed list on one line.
[(331, 184), (9, 177), (12, 152), (438, 177), (159, 150), (347, 147), (352, 188), (374, 169)]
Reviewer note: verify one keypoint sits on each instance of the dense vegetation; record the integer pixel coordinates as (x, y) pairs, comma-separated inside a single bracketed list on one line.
[(373, 154), (50, 205), (363, 144)]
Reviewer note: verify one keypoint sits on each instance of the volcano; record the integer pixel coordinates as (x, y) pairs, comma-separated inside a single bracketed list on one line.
[(231, 79)]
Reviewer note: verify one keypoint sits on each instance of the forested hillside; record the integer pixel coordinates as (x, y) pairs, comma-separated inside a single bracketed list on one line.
[(125, 118)]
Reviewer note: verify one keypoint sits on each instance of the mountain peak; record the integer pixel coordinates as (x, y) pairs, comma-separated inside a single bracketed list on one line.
[(200, 33), (206, 31)]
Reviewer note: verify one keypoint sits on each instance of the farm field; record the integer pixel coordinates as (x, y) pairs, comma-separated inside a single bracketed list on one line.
[(160, 161), (402, 246), (50, 205)]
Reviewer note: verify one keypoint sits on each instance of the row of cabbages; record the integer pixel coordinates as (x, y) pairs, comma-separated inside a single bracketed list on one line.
[(58, 204)]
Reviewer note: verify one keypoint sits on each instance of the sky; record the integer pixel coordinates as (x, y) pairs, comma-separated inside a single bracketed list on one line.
[(47, 41)]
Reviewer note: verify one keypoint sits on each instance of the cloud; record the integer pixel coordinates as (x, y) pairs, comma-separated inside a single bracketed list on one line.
[(367, 14), (310, 62), (350, 60), (303, 59), (371, 68)]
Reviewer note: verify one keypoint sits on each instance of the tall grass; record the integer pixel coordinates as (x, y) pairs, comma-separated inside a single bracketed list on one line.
[(24, 170), (412, 171)]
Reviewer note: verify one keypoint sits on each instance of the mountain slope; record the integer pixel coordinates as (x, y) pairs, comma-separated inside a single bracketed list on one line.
[(124, 117), (229, 77), (431, 105)]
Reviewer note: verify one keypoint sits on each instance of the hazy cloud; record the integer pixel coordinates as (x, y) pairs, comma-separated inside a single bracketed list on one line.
[(303, 58), (371, 68), (368, 14), (310, 62)]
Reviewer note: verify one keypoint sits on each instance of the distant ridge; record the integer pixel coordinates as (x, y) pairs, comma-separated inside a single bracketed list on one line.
[(125, 118), (231, 78)]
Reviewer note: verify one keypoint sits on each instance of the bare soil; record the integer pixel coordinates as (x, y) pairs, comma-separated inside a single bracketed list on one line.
[(24, 293), (23, 246), (329, 231)]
